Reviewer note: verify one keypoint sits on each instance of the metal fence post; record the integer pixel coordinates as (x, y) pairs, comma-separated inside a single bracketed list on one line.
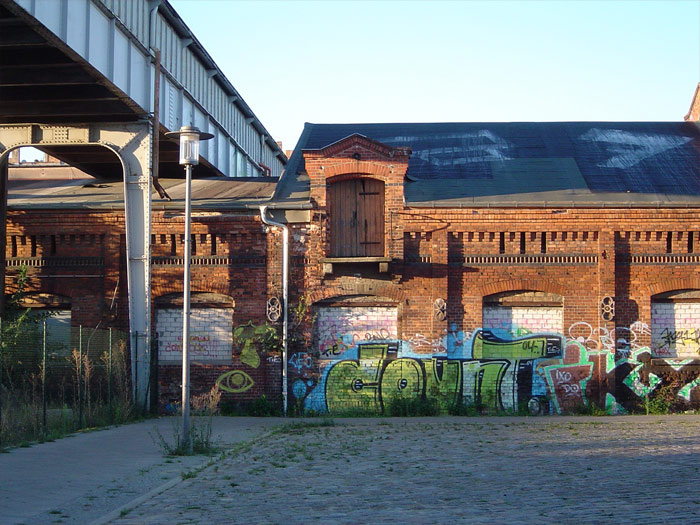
[(80, 376), (1, 380), (109, 378), (43, 380)]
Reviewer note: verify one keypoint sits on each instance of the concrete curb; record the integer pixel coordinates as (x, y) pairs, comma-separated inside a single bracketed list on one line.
[(117, 513)]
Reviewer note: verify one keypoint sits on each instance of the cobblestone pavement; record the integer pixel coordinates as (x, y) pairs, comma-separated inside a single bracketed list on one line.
[(449, 470)]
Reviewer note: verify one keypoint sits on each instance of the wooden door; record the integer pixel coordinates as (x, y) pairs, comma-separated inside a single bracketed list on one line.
[(357, 218)]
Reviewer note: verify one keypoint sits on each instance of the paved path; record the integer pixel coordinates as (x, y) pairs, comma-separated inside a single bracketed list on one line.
[(82, 478), (424, 470)]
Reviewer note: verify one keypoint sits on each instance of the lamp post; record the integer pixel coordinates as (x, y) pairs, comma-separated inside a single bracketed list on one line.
[(189, 138)]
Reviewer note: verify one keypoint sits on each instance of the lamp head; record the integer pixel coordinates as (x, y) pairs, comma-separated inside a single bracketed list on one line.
[(189, 137)]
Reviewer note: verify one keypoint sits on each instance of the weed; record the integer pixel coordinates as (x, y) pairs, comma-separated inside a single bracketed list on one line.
[(261, 407), (400, 406), (300, 427), (200, 442), (663, 400), (587, 409), (464, 409)]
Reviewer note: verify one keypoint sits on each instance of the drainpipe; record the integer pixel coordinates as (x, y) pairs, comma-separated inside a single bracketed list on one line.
[(285, 297), (153, 9)]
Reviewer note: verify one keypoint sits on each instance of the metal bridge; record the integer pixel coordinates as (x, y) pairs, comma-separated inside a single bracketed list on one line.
[(97, 84)]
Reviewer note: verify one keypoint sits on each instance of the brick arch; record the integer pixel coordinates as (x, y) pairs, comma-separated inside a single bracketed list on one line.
[(380, 290), (172, 289), (349, 176), (536, 285), (668, 285), (356, 168)]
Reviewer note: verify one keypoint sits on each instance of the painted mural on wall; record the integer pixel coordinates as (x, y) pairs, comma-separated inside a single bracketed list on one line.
[(497, 370)]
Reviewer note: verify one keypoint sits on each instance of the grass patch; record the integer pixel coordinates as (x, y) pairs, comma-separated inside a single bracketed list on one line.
[(299, 427)]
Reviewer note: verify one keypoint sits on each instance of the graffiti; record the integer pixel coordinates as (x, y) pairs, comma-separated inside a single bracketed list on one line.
[(253, 339), (486, 344), (349, 339), (250, 357), (567, 378), (301, 360), (235, 381), (201, 346), (274, 359), (538, 372), (209, 336), (620, 339), (420, 342), (339, 329), (672, 342)]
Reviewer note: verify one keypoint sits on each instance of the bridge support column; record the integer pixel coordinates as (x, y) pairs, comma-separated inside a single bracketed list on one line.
[(132, 143)]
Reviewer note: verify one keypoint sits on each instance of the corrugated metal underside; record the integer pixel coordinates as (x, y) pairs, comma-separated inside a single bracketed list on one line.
[(72, 61)]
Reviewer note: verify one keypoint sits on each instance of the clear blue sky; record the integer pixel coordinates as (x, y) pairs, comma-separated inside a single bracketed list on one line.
[(471, 61)]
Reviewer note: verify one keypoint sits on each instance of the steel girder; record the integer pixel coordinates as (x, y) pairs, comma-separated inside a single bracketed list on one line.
[(132, 143)]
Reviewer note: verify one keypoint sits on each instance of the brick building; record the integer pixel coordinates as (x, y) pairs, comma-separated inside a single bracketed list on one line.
[(70, 235), (540, 266), (547, 266)]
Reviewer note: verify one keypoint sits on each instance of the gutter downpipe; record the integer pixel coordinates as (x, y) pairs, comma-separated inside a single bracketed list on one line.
[(285, 297)]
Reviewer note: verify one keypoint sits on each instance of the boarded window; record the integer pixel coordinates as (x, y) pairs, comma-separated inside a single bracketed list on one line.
[(675, 324), (357, 218), (523, 312), (339, 329)]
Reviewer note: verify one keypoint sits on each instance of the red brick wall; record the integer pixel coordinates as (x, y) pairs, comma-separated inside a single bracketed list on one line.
[(450, 254), (458, 255)]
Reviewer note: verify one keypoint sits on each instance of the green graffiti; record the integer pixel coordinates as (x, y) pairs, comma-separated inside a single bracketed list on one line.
[(352, 385), (403, 377), (486, 345), (685, 391), (612, 406), (253, 338), (494, 380), (489, 377), (443, 380), (249, 356), (634, 378), (235, 381)]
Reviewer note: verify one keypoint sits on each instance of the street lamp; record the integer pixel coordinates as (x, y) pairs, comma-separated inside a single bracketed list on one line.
[(189, 138)]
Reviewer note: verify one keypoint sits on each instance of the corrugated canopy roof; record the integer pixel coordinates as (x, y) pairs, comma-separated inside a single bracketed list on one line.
[(211, 194), (542, 163)]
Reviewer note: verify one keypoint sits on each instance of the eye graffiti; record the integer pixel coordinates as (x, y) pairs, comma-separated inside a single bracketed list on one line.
[(235, 381)]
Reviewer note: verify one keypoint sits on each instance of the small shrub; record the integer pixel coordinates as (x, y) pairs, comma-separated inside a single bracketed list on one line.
[(208, 402), (463, 409), (588, 409), (400, 406), (200, 433), (261, 407)]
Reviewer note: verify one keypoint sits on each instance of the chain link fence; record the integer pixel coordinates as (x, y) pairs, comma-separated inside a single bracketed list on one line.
[(56, 378)]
